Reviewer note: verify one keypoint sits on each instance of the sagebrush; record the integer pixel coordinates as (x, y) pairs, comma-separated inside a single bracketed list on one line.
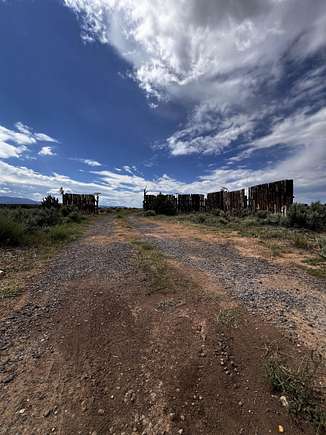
[(21, 226)]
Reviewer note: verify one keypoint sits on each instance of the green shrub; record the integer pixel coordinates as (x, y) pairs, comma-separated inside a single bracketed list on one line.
[(11, 233), (244, 212), (35, 218), (75, 217), (201, 219), (322, 247), (149, 213), (312, 217), (249, 221), (37, 226), (217, 212), (71, 214), (223, 221), (300, 241), (42, 218), (273, 219), (317, 216), (50, 202), (120, 214), (261, 214), (298, 387), (60, 233), (297, 215), (65, 210)]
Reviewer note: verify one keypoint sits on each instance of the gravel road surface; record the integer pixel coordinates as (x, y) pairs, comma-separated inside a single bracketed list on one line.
[(93, 349)]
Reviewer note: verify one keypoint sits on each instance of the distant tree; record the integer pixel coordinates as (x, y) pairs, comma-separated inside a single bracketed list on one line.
[(50, 202)]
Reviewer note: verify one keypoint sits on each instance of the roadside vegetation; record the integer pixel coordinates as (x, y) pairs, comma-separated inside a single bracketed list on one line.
[(229, 317), (296, 385), (28, 239), (303, 229), (154, 264), (42, 225)]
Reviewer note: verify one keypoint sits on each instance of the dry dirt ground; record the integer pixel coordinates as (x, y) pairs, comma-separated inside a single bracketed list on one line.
[(92, 346)]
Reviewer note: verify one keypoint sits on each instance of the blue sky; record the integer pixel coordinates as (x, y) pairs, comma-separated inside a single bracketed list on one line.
[(187, 96)]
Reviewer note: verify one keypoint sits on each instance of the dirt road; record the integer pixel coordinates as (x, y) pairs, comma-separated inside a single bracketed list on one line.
[(96, 348)]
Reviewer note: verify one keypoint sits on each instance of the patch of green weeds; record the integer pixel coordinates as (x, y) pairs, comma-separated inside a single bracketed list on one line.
[(9, 291), (154, 264), (276, 250), (316, 261), (300, 241), (322, 247), (64, 232), (296, 384), (248, 233), (229, 317), (318, 273)]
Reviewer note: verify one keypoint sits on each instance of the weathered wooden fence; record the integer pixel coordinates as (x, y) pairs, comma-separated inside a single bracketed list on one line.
[(85, 203), (192, 202), (214, 201), (274, 197), (198, 202), (184, 203), (149, 202), (230, 202), (235, 201)]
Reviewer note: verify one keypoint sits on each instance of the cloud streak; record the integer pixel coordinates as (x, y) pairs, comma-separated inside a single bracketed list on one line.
[(46, 151), (173, 46), (220, 57), (15, 142), (89, 162)]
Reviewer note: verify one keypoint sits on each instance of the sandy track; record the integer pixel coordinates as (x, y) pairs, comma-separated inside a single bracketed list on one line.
[(94, 351)]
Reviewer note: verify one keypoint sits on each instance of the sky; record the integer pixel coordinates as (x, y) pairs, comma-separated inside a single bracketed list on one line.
[(178, 96)]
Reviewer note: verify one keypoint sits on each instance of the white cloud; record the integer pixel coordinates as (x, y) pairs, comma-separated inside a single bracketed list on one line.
[(41, 137), (91, 162), (209, 132), (174, 45), (22, 128), (46, 151), (217, 56), (4, 190), (7, 150), (128, 169), (302, 128), (14, 143)]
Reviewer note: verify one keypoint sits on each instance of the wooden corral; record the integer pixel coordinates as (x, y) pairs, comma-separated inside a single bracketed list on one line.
[(214, 201), (274, 197), (85, 203), (198, 202), (184, 203), (173, 200), (235, 202), (149, 202), (156, 202), (188, 203), (230, 202)]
